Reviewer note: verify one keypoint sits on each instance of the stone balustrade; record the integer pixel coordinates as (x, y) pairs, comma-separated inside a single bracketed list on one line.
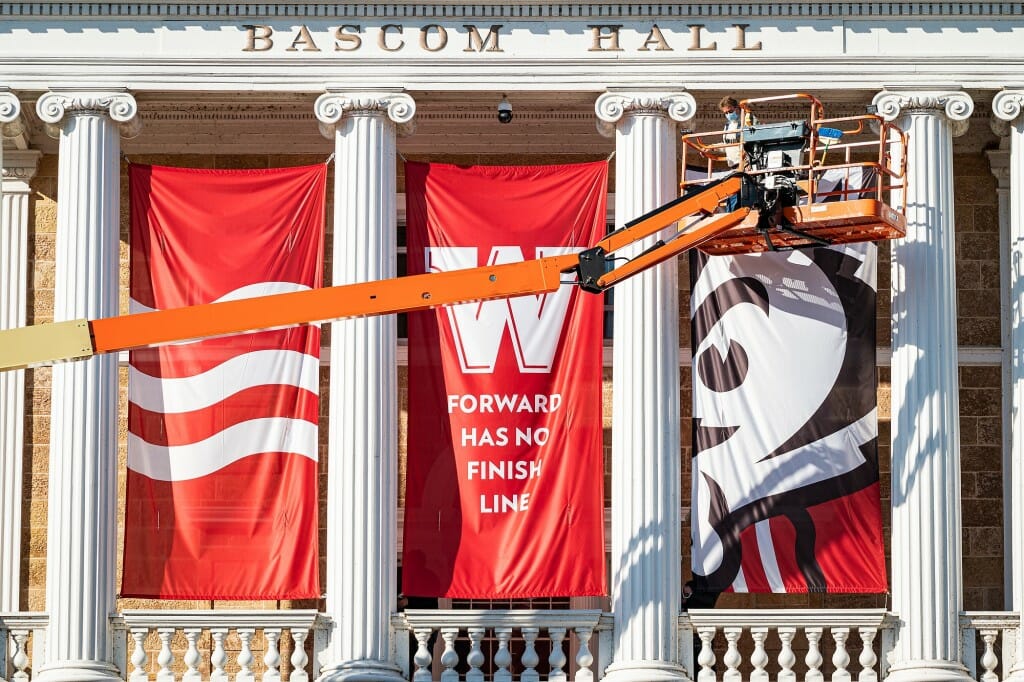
[(244, 646), (20, 635), (840, 645), (489, 644), (982, 635)]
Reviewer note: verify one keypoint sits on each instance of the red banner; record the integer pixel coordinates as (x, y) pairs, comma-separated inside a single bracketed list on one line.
[(222, 444), (504, 495)]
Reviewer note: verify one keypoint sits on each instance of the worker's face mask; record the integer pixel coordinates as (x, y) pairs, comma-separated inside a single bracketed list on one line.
[(732, 117)]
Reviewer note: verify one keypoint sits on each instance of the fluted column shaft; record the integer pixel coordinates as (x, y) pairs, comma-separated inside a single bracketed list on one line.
[(363, 427), (18, 170), (926, 551), (1008, 106), (645, 536), (82, 528)]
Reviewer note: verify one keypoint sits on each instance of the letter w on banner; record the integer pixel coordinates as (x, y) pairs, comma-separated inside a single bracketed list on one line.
[(504, 494), (222, 444), (785, 424)]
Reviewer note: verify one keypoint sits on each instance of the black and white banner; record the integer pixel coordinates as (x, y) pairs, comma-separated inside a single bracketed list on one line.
[(785, 493)]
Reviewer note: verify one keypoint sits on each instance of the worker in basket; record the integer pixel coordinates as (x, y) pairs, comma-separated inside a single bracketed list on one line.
[(735, 118)]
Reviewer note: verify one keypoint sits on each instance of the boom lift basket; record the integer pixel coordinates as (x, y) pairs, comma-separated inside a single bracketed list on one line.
[(809, 197)]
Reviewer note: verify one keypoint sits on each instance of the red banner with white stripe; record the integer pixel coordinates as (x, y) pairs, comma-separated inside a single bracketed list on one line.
[(222, 444), (504, 495)]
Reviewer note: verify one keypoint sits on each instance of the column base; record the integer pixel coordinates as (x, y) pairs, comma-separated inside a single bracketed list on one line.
[(78, 671), (928, 671), (366, 670), (646, 671)]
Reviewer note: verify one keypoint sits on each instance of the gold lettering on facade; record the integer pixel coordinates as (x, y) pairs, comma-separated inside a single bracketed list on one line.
[(656, 38), (257, 33), (695, 31), (601, 32), (305, 39), (347, 35), (382, 39), (476, 44), (442, 37), (741, 38)]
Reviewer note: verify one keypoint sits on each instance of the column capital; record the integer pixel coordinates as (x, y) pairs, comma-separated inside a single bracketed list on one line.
[(20, 167), (120, 105), (331, 106), (613, 105), (11, 122), (999, 164), (956, 105), (1007, 105)]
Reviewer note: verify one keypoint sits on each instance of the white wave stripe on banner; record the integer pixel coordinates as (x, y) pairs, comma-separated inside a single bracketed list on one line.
[(187, 394), (255, 436), (247, 291)]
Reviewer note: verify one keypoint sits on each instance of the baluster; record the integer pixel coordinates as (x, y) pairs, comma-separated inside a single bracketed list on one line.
[(139, 657), (245, 657), (475, 657), (449, 659), (165, 657), (299, 658), (787, 659), (584, 658), (813, 658), (732, 658), (530, 659), (840, 657), (422, 658), (192, 656), (989, 660), (706, 657), (20, 656), (557, 659), (759, 659), (503, 657), (272, 657), (867, 659), (218, 658)]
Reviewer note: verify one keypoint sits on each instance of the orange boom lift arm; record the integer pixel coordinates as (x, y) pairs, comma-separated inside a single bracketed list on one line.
[(756, 210)]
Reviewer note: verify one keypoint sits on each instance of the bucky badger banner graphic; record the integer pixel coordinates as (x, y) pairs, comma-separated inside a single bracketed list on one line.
[(785, 491)]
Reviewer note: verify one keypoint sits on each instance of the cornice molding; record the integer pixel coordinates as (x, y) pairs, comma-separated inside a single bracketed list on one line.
[(331, 106), (54, 106), (523, 10)]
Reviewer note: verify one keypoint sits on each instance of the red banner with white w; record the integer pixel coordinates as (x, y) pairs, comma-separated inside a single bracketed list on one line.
[(504, 495), (222, 444)]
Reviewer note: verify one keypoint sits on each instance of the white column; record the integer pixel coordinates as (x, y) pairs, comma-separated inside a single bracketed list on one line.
[(82, 536), (362, 479), (645, 537), (1008, 105), (19, 167), (926, 552)]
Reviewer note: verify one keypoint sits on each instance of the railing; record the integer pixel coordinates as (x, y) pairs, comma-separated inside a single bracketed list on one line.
[(268, 646), (981, 632), (813, 645), (21, 635), (475, 644)]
